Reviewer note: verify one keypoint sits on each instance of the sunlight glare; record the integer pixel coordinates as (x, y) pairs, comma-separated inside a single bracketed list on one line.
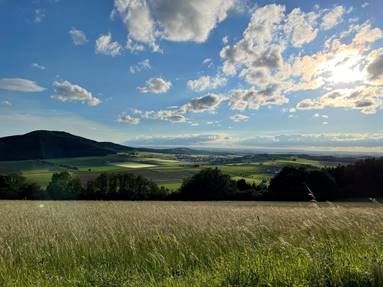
[(343, 68)]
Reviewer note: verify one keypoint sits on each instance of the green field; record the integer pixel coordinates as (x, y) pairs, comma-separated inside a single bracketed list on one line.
[(165, 169), (190, 244)]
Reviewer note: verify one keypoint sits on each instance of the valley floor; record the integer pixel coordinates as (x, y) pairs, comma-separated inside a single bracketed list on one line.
[(190, 244)]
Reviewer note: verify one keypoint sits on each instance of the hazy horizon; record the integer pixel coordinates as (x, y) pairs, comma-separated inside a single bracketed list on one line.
[(232, 74)]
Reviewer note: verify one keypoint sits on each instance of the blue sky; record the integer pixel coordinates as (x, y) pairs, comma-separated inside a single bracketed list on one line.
[(221, 73)]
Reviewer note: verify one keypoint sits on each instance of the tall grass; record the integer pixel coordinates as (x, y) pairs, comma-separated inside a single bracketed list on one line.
[(190, 244)]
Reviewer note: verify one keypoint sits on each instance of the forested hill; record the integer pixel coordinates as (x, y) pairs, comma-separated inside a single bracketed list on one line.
[(53, 144)]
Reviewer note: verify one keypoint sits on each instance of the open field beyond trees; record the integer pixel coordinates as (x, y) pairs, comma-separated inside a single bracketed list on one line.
[(166, 169), (71, 243)]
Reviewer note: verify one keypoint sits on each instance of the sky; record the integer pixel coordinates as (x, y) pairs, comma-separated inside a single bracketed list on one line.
[(282, 75)]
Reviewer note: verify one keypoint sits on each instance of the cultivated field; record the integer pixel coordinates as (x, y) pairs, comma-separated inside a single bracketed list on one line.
[(165, 169), (190, 244)]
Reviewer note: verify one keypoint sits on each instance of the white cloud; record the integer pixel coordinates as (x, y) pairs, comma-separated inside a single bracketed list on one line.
[(208, 62), (38, 66), (105, 46), (363, 98), (156, 86), (253, 99), (366, 34), (78, 37), (134, 47), (239, 118), (337, 62), (205, 103), (182, 20), (20, 85), (174, 116), (332, 18), (206, 83), (255, 49), (68, 92), (301, 27), (128, 119), (194, 18), (39, 15), (6, 103), (140, 66), (138, 19)]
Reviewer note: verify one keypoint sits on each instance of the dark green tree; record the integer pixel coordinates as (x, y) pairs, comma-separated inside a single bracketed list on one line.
[(64, 186), (208, 184)]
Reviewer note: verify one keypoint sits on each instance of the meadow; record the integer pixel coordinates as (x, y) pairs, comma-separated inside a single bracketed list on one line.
[(71, 243), (166, 169)]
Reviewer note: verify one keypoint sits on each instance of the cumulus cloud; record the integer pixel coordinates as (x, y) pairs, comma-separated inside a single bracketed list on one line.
[(105, 46), (206, 83), (332, 18), (67, 92), (19, 85), (255, 48), (239, 118), (375, 66), (195, 18), (156, 86), (253, 99), (366, 99), (140, 66), (301, 27), (128, 119), (337, 63), (205, 103), (78, 37), (174, 116), (182, 20), (138, 19), (366, 34), (258, 57)]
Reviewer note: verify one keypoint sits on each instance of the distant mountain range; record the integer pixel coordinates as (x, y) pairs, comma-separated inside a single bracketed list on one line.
[(53, 144)]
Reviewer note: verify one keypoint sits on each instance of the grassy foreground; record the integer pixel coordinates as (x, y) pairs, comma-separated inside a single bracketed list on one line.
[(190, 244)]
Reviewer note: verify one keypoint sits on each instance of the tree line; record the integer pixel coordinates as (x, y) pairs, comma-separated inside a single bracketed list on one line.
[(359, 180)]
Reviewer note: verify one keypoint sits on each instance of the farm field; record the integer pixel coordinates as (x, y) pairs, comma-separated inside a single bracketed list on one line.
[(165, 169), (190, 244)]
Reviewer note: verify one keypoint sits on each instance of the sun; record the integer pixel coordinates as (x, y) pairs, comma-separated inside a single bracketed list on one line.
[(344, 68)]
